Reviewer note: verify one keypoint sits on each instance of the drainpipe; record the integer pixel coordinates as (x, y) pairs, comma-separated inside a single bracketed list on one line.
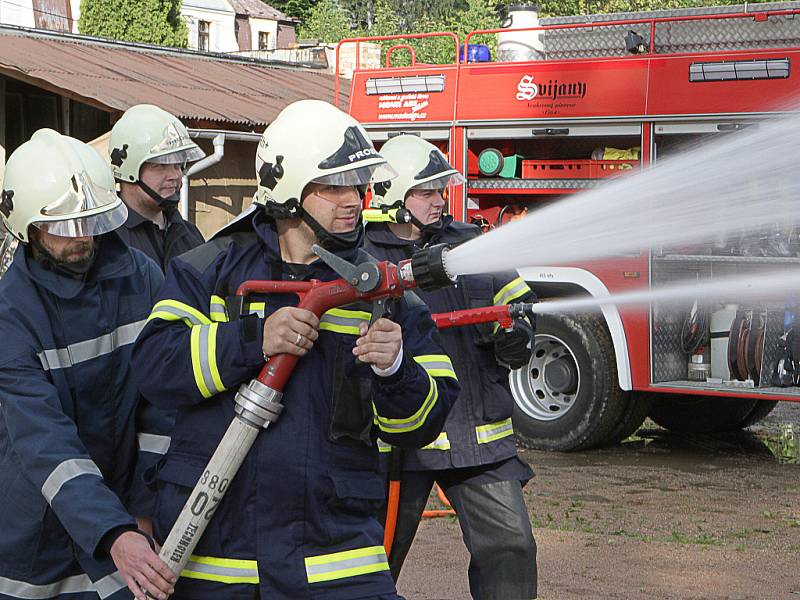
[(219, 152)]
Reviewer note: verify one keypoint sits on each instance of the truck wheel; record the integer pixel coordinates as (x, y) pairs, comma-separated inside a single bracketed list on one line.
[(700, 414), (567, 397), (639, 405), (759, 412)]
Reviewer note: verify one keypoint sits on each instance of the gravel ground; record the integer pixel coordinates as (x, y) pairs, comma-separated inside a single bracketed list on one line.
[(661, 516)]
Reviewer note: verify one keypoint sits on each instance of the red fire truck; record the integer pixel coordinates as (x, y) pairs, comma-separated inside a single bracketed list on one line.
[(563, 105)]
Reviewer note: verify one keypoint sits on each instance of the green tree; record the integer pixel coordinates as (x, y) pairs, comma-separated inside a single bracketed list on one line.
[(295, 8), (327, 22), (148, 21)]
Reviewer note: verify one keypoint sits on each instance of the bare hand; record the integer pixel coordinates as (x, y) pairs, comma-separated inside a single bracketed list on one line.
[(290, 330), (141, 568), (380, 344)]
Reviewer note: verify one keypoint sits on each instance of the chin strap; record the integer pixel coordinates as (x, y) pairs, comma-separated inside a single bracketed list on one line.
[(168, 202), (333, 241), (430, 230)]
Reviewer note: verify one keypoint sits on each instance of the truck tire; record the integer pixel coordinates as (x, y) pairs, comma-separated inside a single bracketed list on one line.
[(639, 405), (759, 412), (567, 397), (700, 414)]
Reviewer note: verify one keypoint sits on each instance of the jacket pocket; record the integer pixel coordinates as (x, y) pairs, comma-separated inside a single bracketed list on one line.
[(22, 511), (497, 401), (174, 480), (357, 495), (351, 405)]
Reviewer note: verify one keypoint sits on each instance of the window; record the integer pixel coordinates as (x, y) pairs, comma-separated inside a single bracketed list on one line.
[(203, 36), (263, 40)]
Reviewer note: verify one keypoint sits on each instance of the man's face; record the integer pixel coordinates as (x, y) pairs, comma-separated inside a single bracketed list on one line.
[(65, 250), (425, 205), (164, 180), (336, 207)]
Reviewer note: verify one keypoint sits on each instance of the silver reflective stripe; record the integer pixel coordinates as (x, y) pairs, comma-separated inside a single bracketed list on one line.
[(218, 310), (223, 570), (69, 469), (417, 419), (346, 564), (205, 358), (440, 443), (61, 358), (343, 321), (177, 312), (513, 290), (110, 584), (30, 591), (494, 431), (150, 442)]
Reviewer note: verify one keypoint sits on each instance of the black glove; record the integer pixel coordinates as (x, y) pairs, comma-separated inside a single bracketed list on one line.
[(513, 348)]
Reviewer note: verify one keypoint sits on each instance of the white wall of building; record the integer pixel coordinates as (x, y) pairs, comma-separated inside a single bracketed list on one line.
[(267, 25), (17, 12), (221, 19)]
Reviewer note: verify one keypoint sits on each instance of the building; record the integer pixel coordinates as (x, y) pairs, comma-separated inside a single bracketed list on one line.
[(214, 25), (96, 80)]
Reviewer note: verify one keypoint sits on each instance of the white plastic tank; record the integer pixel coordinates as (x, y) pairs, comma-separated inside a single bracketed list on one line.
[(514, 45), (721, 321)]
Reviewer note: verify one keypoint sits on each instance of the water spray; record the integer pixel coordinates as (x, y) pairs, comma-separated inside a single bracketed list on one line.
[(743, 183)]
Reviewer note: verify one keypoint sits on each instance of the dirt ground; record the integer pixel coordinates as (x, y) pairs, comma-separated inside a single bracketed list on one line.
[(662, 516)]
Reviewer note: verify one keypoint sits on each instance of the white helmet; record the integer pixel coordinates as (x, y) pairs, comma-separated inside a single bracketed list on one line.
[(147, 133), (419, 165), (312, 141), (61, 186)]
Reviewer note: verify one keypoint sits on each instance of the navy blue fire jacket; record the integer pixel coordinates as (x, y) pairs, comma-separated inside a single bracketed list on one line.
[(479, 430), (298, 521), (75, 435)]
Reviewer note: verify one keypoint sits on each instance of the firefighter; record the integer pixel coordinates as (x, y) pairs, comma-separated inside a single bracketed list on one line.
[(75, 436), (474, 460), (300, 518), (149, 150)]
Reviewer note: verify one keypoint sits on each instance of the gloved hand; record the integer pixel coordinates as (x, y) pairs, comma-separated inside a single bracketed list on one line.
[(513, 348)]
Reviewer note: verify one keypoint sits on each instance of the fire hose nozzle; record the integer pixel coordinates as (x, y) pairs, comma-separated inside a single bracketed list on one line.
[(428, 268), (522, 309)]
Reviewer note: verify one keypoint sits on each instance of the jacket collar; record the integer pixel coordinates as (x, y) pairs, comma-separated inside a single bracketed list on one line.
[(267, 233), (381, 235), (114, 259)]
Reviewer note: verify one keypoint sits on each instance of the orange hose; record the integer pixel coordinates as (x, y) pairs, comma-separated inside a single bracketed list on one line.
[(433, 514), (392, 506)]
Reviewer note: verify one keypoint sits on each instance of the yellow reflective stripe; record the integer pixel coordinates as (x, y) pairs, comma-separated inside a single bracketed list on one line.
[(362, 561), (224, 570), (383, 446), (511, 291), (440, 443), (212, 357), (341, 320), (416, 420), (218, 310), (172, 310), (255, 308), (494, 431), (204, 359), (437, 365)]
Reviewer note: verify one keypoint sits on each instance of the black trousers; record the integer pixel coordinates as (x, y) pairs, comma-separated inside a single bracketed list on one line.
[(494, 524)]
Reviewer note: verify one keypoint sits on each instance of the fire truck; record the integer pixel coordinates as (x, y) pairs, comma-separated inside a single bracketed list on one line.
[(564, 105)]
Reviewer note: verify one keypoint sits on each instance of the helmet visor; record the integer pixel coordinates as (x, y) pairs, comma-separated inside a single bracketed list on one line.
[(82, 196), (441, 182), (179, 157), (358, 176), (88, 226)]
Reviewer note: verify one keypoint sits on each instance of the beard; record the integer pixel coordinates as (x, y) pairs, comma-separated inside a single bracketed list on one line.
[(75, 252)]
